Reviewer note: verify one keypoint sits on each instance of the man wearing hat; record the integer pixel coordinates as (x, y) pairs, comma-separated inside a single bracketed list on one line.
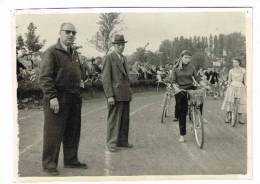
[(117, 90)]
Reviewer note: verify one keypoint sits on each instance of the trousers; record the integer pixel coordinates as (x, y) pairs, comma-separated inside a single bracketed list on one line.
[(63, 127), (181, 109), (118, 124)]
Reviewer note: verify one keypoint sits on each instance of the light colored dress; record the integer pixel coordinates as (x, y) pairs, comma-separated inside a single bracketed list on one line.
[(236, 89)]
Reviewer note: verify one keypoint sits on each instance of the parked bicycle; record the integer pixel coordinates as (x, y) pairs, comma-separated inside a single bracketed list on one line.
[(169, 94)]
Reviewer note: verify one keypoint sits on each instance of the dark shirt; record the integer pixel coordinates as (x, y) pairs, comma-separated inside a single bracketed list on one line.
[(207, 75), (214, 78), (97, 69), (183, 77)]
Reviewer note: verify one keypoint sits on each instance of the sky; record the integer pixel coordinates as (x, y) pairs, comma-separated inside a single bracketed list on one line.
[(138, 27)]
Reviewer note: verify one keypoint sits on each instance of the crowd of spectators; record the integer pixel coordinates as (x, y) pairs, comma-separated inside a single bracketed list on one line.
[(28, 69), (146, 71)]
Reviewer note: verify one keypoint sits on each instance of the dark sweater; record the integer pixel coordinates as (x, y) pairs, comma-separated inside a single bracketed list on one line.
[(183, 77)]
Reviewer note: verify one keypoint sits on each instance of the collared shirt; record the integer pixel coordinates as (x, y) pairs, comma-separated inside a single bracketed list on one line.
[(120, 57)]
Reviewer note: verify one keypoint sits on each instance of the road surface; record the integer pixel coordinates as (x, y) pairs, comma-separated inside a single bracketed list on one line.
[(156, 148)]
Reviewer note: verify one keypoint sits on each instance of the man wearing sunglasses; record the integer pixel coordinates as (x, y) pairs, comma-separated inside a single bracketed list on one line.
[(116, 86), (60, 78)]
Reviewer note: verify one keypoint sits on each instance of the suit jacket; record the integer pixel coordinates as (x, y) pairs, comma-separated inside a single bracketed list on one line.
[(115, 78)]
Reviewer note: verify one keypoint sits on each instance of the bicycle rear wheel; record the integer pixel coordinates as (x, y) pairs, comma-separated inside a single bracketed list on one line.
[(198, 127), (165, 108), (234, 113)]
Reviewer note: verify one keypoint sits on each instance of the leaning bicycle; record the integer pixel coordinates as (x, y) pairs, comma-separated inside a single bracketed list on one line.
[(169, 94)]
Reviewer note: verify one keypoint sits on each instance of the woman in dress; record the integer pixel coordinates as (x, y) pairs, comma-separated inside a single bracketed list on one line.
[(236, 89)]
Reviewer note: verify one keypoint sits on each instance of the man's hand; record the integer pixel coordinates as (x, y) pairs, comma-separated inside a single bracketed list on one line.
[(82, 84), (54, 105), (176, 87), (111, 101)]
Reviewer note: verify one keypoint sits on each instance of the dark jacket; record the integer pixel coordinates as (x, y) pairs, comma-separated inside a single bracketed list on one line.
[(60, 71), (115, 78)]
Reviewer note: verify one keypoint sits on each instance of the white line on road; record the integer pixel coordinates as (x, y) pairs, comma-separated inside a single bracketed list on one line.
[(141, 108), (107, 163), (27, 148), (93, 111), (107, 168), (25, 117)]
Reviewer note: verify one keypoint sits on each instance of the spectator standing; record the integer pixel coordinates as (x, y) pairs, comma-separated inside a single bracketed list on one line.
[(116, 84), (60, 80)]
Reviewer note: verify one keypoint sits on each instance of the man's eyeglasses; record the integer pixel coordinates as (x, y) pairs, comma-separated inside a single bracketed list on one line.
[(68, 32)]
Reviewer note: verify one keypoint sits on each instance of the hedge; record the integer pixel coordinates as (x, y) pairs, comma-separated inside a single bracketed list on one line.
[(29, 92)]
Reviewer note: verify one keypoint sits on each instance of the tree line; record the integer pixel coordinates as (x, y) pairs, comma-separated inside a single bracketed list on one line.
[(205, 50)]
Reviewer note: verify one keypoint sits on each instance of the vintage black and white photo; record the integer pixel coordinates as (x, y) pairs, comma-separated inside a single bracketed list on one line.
[(134, 92)]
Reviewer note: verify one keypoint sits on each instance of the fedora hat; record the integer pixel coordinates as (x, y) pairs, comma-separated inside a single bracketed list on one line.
[(119, 39)]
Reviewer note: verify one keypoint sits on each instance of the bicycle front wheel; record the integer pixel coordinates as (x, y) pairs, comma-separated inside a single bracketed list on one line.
[(165, 108), (198, 127)]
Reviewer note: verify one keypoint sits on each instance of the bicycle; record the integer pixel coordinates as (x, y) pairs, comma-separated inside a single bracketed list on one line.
[(234, 112), (169, 94), (195, 99), (223, 87)]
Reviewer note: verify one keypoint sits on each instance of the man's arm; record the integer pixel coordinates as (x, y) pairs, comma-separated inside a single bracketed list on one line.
[(107, 78), (46, 75), (47, 81)]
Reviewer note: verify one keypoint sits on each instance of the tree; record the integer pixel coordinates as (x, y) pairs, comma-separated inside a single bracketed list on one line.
[(166, 50), (211, 45), (140, 53), (199, 60), (19, 42), (153, 58), (221, 44), (216, 46), (108, 23), (32, 41)]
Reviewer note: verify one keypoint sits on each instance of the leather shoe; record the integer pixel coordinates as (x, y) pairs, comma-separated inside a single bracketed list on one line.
[(51, 171), (112, 149), (175, 119), (126, 145), (76, 165), (241, 122)]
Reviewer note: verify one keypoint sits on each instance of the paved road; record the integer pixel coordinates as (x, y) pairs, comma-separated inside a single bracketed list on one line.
[(156, 148)]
